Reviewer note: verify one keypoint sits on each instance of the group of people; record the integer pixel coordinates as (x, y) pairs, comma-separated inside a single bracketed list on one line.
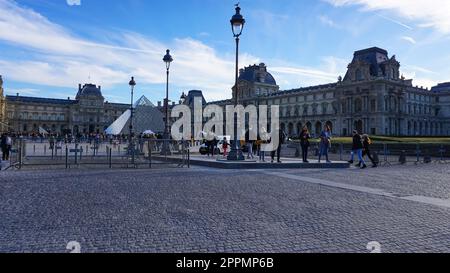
[(360, 146), (252, 149), (324, 144)]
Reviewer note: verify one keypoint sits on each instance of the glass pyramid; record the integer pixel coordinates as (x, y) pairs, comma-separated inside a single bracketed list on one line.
[(146, 117)]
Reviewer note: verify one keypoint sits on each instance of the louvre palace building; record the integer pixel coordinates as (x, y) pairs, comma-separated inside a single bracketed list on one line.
[(373, 98), (88, 113)]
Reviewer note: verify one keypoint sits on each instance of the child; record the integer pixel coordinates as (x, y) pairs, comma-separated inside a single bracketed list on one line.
[(225, 147)]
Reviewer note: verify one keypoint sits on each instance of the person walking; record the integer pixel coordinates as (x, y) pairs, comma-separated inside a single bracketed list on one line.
[(366, 150), (325, 143), (357, 148), (281, 140), (225, 147), (52, 142), (209, 147), (259, 149), (6, 145), (249, 143), (304, 143), (250, 150)]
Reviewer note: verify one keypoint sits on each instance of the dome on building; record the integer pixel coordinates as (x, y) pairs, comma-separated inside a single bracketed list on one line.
[(257, 73), (89, 90)]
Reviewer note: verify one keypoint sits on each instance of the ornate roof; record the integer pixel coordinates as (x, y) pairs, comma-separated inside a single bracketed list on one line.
[(39, 100), (376, 57), (189, 100), (90, 90), (257, 73)]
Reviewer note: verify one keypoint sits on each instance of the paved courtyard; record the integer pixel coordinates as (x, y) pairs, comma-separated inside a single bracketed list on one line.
[(404, 208)]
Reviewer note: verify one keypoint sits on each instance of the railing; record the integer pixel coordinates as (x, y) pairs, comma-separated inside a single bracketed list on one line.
[(141, 153), (385, 154)]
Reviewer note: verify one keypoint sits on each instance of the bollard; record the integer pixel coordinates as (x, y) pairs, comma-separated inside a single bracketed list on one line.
[(45, 149), (76, 154), (418, 153), (110, 158), (67, 157), (34, 149), (189, 158), (149, 154), (20, 154), (402, 158)]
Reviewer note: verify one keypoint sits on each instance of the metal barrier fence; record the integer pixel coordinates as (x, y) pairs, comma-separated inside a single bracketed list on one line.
[(16, 156), (141, 153), (385, 154)]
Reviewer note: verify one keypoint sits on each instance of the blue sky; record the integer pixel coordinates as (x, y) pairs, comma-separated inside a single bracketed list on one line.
[(47, 47)]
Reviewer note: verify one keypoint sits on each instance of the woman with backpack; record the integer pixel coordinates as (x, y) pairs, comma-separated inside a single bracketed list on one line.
[(366, 150)]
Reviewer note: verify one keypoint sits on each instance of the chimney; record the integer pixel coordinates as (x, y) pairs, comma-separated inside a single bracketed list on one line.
[(159, 104), (173, 103), (99, 88), (68, 98), (17, 94), (79, 87)]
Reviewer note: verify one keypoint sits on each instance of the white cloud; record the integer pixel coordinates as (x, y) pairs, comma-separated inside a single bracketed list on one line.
[(61, 59), (327, 21), (409, 39), (23, 91), (74, 2), (431, 13)]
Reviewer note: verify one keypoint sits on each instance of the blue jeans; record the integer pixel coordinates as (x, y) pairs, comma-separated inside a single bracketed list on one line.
[(262, 155), (359, 152), (323, 151)]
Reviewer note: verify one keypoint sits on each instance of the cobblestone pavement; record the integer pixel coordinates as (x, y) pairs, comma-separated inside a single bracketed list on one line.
[(206, 210)]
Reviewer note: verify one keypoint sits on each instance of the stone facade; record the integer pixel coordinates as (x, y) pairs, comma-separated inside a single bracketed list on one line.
[(88, 113), (373, 98)]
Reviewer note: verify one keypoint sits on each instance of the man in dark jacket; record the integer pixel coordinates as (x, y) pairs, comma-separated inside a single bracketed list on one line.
[(5, 145), (281, 139), (357, 147)]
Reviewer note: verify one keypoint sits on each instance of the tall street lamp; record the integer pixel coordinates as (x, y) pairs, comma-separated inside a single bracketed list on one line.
[(237, 25), (132, 84), (166, 149)]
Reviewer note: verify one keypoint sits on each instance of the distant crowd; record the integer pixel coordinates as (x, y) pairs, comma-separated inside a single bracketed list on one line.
[(252, 148)]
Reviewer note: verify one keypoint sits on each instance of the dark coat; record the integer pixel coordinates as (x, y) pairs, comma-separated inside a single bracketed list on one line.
[(3, 143), (304, 138), (366, 145), (357, 142)]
